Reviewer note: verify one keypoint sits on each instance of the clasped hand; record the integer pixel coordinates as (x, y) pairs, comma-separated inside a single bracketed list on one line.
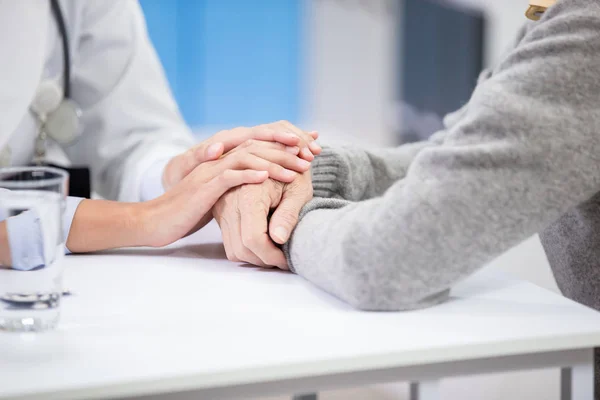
[(238, 177)]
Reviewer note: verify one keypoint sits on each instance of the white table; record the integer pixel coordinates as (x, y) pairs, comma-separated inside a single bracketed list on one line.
[(184, 319)]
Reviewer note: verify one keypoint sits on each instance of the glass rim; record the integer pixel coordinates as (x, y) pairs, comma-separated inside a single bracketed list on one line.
[(61, 177)]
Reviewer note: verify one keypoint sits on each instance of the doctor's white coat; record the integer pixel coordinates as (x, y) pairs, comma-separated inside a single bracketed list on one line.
[(130, 120)]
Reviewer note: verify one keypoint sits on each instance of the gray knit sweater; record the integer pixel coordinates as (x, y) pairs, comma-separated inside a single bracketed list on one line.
[(394, 229)]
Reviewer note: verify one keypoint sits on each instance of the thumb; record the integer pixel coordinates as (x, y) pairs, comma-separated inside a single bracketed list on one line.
[(182, 165), (285, 217), (202, 154)]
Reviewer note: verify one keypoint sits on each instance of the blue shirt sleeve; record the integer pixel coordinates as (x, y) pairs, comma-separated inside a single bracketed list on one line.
[(25, 236)]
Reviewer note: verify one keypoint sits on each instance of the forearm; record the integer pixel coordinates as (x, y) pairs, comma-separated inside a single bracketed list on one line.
[(101, 225), (96, 225), (440, 224), (5, 259)]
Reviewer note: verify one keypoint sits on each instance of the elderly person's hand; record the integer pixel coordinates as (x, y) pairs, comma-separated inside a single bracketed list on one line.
[(243, 215), (187, 206)]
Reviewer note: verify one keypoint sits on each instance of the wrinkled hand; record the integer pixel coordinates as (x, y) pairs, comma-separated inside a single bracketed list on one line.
[(243, 212), (186, 207), (211, 149)]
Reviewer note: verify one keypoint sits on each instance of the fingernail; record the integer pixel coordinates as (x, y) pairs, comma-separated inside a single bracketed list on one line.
[(303, 164), (315, 146), (213, 150), (281, 234), (293, 150)]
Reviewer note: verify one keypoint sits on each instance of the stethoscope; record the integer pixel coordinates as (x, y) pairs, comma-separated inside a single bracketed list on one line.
[(57, 114)]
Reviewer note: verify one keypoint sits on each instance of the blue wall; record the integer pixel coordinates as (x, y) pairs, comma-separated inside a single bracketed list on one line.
[(230, 62)]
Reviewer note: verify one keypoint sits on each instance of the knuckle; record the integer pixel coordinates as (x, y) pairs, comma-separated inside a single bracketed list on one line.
[(237, 157), (247, 194), (243, 255), (249, 143), (189, 155), (277, 146), (274, 168), (249, 241), (227, 175)]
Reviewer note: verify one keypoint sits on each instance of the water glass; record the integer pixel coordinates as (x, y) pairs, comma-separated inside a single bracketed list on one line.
[(32, 202)]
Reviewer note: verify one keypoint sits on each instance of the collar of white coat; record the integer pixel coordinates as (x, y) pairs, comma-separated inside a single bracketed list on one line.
[(537, 8), (23, 38)]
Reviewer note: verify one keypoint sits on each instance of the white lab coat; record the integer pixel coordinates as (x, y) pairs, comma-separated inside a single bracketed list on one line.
[(130, 120)]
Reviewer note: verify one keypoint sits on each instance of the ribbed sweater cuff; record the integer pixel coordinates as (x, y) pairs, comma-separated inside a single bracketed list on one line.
[(325, 173)]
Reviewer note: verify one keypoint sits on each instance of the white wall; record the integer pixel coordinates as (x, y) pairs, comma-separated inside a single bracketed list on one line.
[(351, 69)]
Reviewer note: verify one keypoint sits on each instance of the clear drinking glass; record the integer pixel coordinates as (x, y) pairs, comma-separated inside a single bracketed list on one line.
[(32, 202)]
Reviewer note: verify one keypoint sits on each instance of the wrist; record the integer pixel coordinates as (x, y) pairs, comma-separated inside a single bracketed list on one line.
[(135, 224), (5, 259), (148, 228)]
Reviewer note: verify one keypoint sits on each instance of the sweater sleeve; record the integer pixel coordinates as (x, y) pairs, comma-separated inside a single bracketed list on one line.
[(355, 174), (525, 151)]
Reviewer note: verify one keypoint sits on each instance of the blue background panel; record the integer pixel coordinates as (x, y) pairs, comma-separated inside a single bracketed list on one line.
[(230, 62)]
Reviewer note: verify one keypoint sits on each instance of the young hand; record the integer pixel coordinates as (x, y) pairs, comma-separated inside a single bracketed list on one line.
[(281, 132)]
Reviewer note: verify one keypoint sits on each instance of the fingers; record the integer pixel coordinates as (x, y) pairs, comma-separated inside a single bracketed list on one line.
[(308, 148), (254, 236), (282, 132), (182, 165), (198, 154), (241, 252), (263, 156), (285, 217), (228, 179), (275, 132), (235, 137), (242, 215), (211, 152), (292, 150), (226, 210), (226, 234), (277, 153), (251, 161)]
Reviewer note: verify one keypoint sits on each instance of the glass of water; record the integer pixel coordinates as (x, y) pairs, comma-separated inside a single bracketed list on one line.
[(32, 202)]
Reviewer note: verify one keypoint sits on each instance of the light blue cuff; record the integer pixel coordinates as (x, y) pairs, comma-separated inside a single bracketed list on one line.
[(25, 241), (152, 186), (25, 236), (68, 215)]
